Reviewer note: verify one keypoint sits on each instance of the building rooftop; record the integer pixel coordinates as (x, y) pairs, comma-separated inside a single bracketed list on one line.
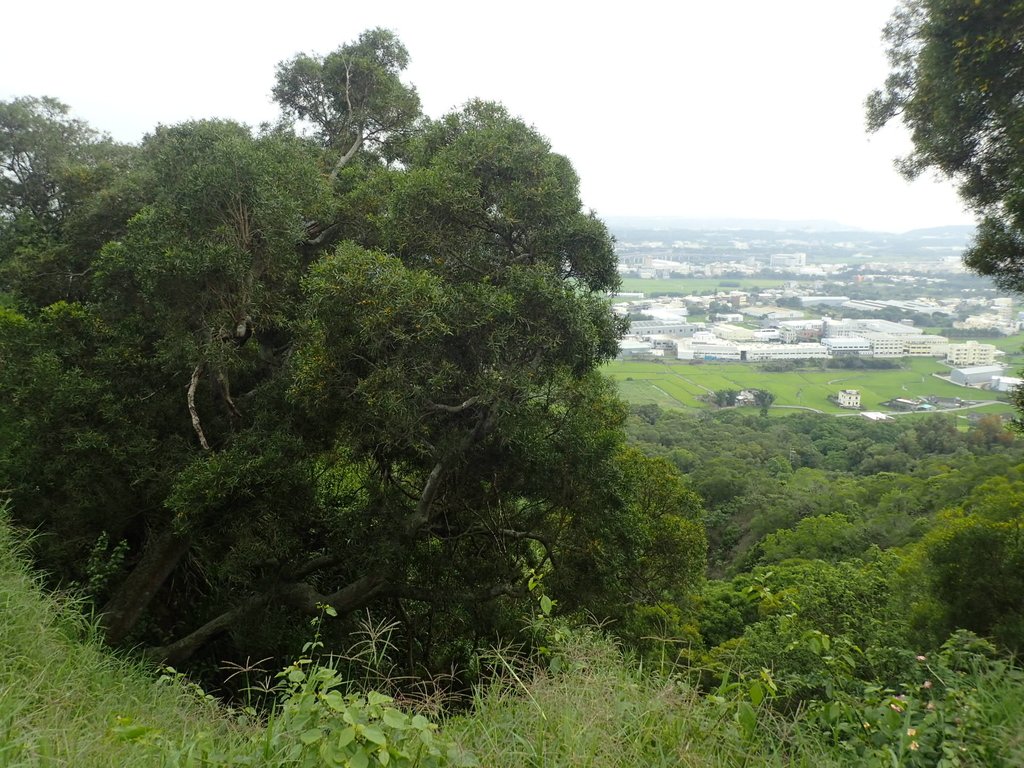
[(975, 370)]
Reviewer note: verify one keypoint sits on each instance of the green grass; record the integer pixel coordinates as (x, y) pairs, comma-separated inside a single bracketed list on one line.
[(664, 382), (603, 712), (1009, 344), (696, 285), (65, 701), (63, 698)]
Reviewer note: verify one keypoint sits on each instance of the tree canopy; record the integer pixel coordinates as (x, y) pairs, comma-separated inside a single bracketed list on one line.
[(957, 82), (354, 368)]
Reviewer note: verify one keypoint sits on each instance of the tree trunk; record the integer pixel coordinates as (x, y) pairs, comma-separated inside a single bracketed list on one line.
[(300, 596), (161, 556)]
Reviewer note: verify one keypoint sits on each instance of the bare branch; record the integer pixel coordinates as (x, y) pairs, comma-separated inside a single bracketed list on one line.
[(343, 160), (225, 389), (306, 598), (504, 533), (455, 408), (360, 131), (196, 424), (484, 424)]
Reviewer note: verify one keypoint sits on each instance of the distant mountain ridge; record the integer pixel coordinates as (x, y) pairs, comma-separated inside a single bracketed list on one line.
[(765, 225), (676, 223)]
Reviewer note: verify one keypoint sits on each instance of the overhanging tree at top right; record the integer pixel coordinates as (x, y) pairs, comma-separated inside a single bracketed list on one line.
[(957, 83)]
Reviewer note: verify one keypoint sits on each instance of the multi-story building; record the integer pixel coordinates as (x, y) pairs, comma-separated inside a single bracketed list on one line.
[(713, 349), (720, 349), (667, 327), (971, 353), (925, 345), (1003, 309), (787, 260), (753, 353), (846, 345), (885, 344), (792, 331)]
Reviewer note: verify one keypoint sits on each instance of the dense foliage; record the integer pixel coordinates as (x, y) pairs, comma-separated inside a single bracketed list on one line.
[(907, 527), (956, 83), (349, 361)]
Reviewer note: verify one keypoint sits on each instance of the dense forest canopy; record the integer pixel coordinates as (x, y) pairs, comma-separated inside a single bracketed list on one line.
[(349, 360)]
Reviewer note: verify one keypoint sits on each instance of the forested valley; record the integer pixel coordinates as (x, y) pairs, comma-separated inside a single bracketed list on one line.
[(307, 458)]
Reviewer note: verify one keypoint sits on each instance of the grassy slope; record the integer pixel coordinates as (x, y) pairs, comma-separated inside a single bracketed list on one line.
[(61, 694)]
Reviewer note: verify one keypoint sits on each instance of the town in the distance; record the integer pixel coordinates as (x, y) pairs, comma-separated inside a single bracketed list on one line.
[(876, 323)]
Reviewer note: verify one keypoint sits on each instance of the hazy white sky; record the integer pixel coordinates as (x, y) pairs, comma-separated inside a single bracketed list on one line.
[(745, 108)]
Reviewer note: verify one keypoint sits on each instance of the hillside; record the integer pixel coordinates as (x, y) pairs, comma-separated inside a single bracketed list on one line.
[(68, 702)]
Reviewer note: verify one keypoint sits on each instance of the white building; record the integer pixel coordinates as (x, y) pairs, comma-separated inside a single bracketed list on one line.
[(799, 330), (1004, 310), (848, 398), (732, 332), (971, 353), (632, 349), (729, 317), (753, 353), (1006, 383), (875, 416), (975, 376), (885, 344), (669, 328), (925, 345), (869, 325), (787, 260), (706, 349), (846, 345), (830, 301)]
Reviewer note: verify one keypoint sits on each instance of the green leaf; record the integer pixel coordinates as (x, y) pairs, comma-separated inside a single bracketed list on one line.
[(345, 736), (359, 760), (756, 693), (546, 604), (394, 719), (374, 734), (747, 718), (335, 701), (311, 736)]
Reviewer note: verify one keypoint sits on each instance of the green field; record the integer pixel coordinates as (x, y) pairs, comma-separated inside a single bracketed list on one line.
[(674, 385), (1012, 345), (697, 285)]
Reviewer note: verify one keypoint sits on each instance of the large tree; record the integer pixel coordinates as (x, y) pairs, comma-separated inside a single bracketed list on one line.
[(957, 82), (353, 98), (64, 190), (409, 418)]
